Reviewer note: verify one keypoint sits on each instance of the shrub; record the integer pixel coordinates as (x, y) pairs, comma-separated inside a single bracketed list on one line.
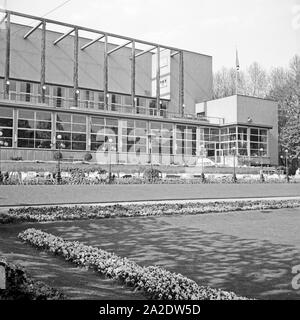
[(16, 158), (57, 155), (88, 156), (152, 174), (234, 178)]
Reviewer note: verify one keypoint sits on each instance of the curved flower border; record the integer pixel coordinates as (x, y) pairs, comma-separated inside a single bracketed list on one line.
[(153, 281), (56, 213)]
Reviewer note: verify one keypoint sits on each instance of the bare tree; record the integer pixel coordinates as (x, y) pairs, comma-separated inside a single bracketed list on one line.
[(225, 83), (256, 81)]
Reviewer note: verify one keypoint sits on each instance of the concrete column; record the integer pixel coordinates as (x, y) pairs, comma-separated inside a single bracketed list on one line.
[(15, 129), (198, 142), (120, 143), (7, 58), (53, 131), (133, 74), (174, 142), (43, 62), (75, 73), (88, 133), (248, 143), (105, 74), (148, 141), (181, 83), (158, 80)]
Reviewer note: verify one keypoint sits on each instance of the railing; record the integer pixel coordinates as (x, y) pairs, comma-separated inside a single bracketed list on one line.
[(65, 103)]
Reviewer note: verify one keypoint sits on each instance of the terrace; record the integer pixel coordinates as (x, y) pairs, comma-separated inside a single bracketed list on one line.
[(97, 105)]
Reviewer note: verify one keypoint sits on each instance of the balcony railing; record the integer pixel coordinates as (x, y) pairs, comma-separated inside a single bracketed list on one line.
[(98, 106)]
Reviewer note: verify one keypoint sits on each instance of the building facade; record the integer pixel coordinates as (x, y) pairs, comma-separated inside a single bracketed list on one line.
[(120, 98)]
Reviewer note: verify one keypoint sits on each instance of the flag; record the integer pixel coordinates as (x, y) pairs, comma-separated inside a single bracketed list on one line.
[(237, 63)]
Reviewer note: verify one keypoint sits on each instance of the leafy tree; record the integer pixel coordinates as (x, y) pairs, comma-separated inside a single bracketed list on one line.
[(281, 85)]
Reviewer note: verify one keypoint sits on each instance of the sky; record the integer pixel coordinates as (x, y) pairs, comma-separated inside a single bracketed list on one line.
[(266, 31)]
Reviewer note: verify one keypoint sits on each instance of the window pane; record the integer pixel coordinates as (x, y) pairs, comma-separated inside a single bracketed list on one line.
[(63, 117), (6, 133), (78, 119), (78, 137), (26, 143), (26, 124), (43, 144), (263, 132), (97, 120), (65, 135), (63, 126), (25, 114), (6, 112), (46, 116), (4, 122), (78, 128), (78, 146), (254, 138), (43, 135), (26, 134), (43, 125)]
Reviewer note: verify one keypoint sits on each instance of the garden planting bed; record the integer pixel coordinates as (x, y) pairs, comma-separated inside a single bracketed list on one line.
[(85, 180), (20, 286), (152, 281), (56, 213)]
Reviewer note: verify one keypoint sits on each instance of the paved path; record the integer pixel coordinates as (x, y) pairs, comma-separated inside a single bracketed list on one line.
[(79, 194)]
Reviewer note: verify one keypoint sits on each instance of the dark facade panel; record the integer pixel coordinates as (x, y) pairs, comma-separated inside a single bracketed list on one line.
[(26, 61)]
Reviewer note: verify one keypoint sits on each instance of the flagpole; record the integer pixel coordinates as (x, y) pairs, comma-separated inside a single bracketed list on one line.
[(237, 64), (236, 81)]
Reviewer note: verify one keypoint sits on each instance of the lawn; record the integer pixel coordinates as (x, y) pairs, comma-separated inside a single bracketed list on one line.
[(68, 194), (250, 253)]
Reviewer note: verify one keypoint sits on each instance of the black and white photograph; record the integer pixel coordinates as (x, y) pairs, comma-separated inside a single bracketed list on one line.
[(149, 155)]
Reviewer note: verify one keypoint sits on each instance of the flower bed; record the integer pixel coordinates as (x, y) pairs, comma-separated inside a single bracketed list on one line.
[(90, 176), (40, 214), (20, 286), (153, 281)]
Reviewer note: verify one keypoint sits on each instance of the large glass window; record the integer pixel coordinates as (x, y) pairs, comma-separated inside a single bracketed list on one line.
[(229, 139), (209, 139), (6, 125), (258, 141), (134, 136), (242, 141), (34, 129), (186, 140), (102, 130), (72, 128)]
